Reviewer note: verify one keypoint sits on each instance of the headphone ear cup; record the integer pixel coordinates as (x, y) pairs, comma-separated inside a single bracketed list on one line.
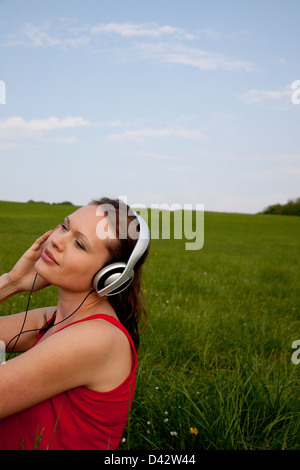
[(107, 276)]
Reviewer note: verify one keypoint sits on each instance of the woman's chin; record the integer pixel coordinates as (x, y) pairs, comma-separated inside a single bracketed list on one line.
[(41, 270), (37, 265)]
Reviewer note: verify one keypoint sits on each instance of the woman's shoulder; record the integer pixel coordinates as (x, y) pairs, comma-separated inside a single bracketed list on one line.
[(103, 337), (106, 327), (96, 332)]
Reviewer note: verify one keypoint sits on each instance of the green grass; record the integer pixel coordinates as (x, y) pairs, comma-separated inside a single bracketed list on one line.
[(216, 353)]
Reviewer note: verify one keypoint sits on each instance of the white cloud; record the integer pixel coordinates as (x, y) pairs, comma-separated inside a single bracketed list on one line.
[(142, 135), (66, 36), (129, 30), (48, 124), (16, 128), (32, 36), (194, 57), (278, 97)]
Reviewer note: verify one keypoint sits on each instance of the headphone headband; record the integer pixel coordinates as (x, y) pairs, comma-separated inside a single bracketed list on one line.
[(114, 278)]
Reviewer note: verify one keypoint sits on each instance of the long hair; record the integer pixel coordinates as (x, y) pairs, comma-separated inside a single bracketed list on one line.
[(129, 304)]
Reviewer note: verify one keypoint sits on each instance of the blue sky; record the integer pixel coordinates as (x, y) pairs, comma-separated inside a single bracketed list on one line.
[(164, 102)]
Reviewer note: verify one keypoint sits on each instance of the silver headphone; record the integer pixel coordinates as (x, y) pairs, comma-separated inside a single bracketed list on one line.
[(114, 278)]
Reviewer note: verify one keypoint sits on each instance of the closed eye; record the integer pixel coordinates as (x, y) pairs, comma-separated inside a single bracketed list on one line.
[(77, 243), (80, 245)]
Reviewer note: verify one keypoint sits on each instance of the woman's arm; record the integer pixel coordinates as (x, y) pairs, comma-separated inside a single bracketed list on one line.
[(75, 356), (7, 288), (10, 326)]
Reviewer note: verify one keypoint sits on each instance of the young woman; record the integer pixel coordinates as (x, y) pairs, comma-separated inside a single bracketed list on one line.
[(73, 386)]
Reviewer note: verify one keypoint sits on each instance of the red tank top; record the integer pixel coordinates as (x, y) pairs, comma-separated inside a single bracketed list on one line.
[(77, 419)]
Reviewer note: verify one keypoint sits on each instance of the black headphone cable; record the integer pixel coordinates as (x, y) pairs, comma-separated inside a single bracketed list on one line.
[(39, 329), (24, 321)]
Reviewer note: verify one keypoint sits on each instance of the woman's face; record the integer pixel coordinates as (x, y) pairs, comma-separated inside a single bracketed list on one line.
[(74, 253)]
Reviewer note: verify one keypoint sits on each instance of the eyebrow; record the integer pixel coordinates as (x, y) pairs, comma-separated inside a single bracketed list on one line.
[(67, 219)]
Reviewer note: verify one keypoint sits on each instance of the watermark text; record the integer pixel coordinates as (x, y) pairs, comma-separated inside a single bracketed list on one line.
[(296, 354), (2, 92), (2, 352), (296, 94), (165, 222)]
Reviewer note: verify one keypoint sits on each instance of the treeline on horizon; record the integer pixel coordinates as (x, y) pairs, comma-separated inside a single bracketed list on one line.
[(292, 207), (68, 203)]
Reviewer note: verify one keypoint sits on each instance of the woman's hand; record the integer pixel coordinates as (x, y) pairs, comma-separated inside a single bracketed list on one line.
[(22, 274)]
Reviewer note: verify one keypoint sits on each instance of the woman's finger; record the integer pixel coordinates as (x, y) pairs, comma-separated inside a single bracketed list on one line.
[(37, 244)]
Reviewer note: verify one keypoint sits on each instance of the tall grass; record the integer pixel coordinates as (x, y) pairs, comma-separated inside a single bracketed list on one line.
[(215, 362), (215, 369)]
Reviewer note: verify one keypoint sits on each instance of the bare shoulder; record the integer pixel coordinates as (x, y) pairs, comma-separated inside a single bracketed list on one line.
[(98, 333), (95, 353), (103, 340)]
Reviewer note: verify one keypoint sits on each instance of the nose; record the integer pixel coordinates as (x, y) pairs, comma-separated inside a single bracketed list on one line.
[(57, 238)]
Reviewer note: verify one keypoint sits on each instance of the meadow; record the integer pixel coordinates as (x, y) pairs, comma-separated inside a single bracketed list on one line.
[(215, 363)]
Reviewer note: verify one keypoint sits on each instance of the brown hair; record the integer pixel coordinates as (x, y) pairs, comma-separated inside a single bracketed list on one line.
[(128, 304)]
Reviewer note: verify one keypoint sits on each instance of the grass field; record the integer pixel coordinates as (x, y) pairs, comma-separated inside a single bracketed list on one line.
[(215, 368)]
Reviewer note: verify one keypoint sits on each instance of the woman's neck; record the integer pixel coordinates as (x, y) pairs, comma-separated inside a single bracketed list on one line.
[(81, 303)]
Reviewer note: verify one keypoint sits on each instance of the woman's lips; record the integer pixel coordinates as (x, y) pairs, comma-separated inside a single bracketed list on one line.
[(48, 257)]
